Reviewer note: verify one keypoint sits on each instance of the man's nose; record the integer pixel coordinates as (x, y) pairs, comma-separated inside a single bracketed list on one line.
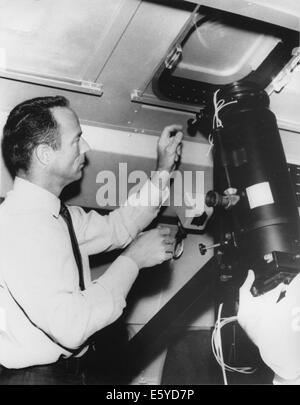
[(83, 146)]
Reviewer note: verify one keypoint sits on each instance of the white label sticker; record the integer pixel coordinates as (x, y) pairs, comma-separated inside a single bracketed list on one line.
[(259, 194)]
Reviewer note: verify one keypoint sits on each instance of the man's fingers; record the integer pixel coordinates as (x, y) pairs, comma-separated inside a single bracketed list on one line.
[(174, 143), (169, 256), (170, 250), (169, 240), (179, 149), (168, 132), (178, 152), (164, 230), (178, 138)]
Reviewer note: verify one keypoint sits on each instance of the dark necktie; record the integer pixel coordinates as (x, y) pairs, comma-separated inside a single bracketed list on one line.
[(64, 212)]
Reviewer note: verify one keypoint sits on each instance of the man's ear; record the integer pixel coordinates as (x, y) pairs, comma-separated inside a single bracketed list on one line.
[(44, 153)]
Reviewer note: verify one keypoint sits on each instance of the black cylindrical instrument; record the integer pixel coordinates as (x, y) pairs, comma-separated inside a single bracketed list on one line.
[(249, 160)]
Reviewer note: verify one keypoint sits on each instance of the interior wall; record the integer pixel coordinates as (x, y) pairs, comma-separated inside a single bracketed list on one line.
[(155, 287), (168, 279), (131, 65)]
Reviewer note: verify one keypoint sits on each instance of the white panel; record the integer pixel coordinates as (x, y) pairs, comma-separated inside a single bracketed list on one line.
[(286, 104), (163, 288), (57, 37), (141, 145), (291, 146), (284, 13)]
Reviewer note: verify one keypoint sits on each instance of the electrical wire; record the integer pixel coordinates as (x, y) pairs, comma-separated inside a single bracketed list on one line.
[(216, 344), (211, 144), (219, 105), (217, 123)]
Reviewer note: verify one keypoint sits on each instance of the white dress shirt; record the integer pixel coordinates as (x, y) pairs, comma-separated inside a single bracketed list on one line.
[(38, 268)]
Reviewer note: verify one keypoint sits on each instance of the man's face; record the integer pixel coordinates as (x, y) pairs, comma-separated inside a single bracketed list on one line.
[(68, 160)]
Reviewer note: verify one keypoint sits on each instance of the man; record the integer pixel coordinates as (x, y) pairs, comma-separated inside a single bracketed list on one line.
[(272, 321), (49, 307)]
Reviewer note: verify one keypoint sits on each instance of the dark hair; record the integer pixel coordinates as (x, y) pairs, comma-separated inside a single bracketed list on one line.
[(29, 124)]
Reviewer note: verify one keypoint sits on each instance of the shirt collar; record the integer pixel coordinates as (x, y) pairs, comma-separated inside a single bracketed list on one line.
[(35, 197)]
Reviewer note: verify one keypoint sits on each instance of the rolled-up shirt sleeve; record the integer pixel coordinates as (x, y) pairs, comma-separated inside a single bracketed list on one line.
[(43, 276), (99, 305), (47, 287), (116, 281)]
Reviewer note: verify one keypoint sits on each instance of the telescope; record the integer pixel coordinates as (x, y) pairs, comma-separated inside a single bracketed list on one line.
[(255, 220), (253, 196)]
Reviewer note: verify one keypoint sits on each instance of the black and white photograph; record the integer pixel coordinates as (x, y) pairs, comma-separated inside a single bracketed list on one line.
[(150, 195)]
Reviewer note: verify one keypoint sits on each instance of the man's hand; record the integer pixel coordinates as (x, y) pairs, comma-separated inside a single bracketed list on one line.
[(169, 148), (252, 310), (151, 248)]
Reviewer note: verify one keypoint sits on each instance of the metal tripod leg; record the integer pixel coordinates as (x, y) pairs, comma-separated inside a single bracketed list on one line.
[(156, 334)]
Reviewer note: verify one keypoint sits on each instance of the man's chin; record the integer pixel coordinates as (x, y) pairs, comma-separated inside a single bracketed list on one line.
[(77, 176)]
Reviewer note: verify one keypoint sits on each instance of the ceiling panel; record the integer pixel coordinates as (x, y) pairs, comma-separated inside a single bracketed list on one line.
[(284, 13), (61, 38)]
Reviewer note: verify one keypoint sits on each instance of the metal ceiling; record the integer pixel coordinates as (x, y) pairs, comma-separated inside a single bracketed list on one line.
[(99, 54)]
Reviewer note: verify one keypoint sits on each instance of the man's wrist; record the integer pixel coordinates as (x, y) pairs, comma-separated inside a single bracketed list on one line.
[(163, 169), (131, 257), (160, 178)]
